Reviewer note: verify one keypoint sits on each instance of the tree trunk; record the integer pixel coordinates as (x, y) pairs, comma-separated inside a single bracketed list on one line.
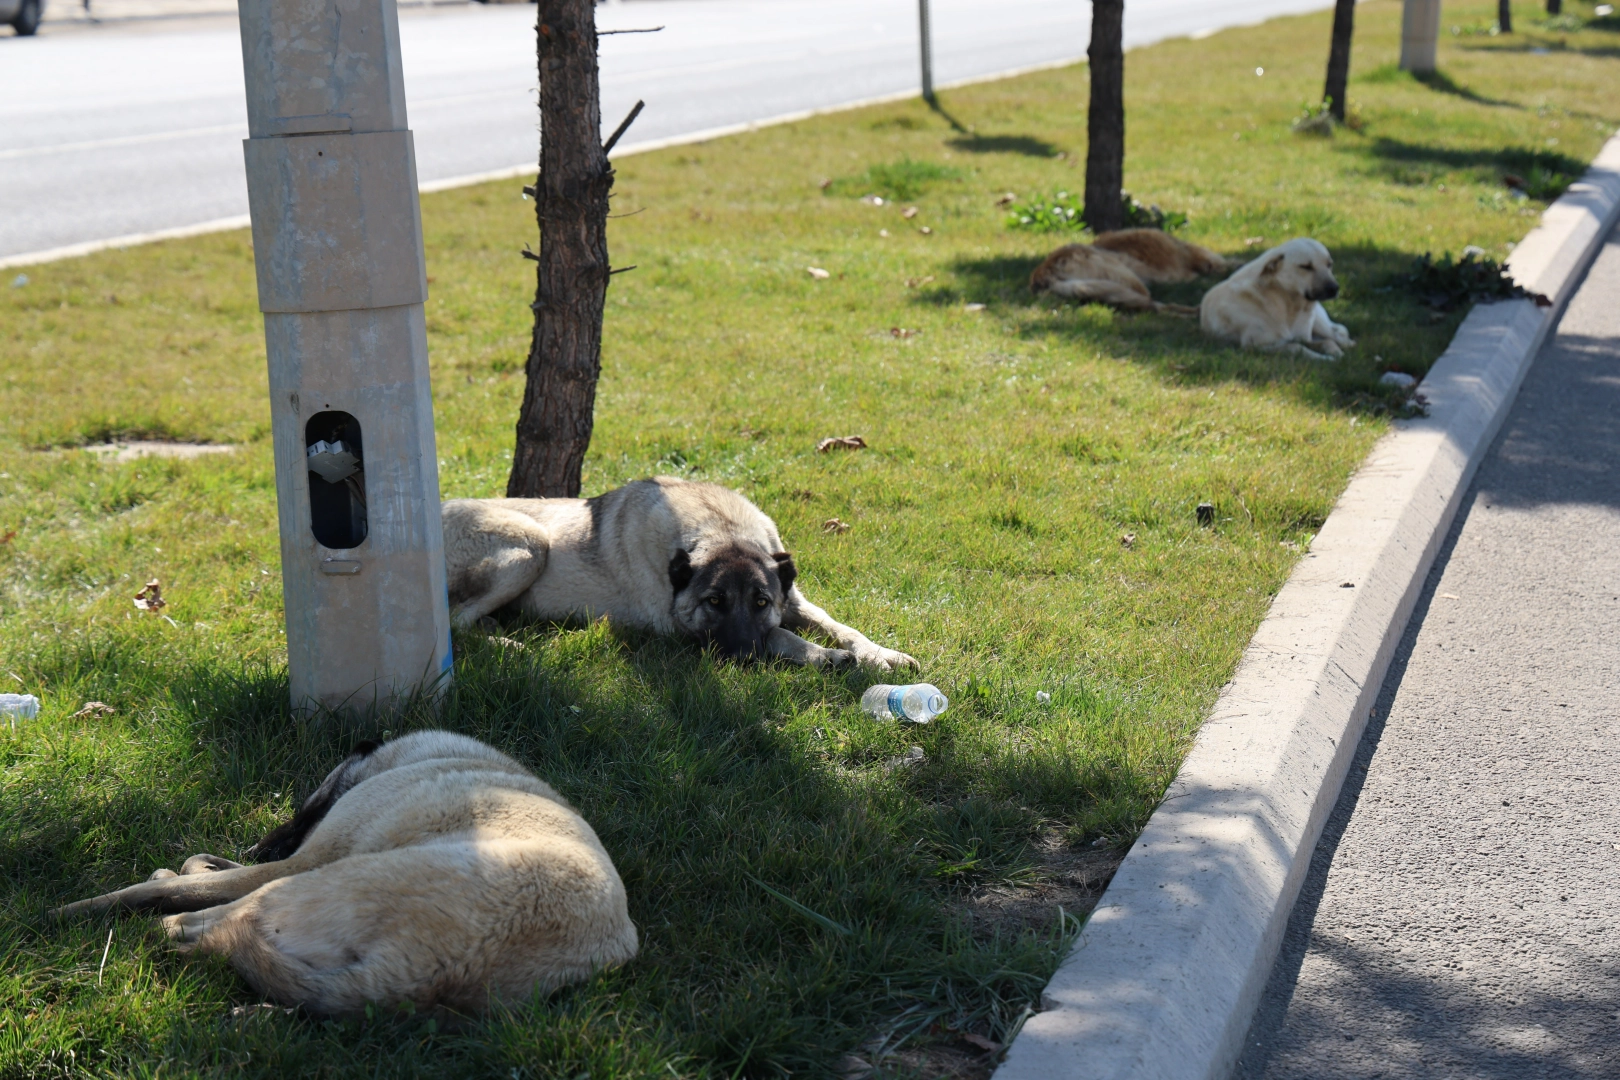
[(1338, 69), (1504, 16), (571, 204), (1105, 122), (1554, 7)]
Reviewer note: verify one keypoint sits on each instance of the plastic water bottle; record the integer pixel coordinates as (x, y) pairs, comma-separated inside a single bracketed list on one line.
[(15, 705), (917, 702)]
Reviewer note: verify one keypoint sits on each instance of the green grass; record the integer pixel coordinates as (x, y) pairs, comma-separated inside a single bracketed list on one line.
[(1011, 449)]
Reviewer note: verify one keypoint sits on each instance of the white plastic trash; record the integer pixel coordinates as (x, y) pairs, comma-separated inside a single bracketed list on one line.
[(15, 705), (917, 702), (1398, 378)]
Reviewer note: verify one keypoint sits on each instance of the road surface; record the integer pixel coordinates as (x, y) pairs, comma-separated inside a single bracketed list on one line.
[(1459, 919), (133, 127)]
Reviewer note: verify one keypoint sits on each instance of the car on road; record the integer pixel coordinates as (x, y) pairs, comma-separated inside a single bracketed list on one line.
[(22, 15)]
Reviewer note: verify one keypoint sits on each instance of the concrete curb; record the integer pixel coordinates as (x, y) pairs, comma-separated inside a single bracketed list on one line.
[(1167, 974)]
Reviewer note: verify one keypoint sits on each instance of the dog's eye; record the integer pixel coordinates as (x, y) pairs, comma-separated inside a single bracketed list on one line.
[(1307, 268), (761, 602), (714, 601)]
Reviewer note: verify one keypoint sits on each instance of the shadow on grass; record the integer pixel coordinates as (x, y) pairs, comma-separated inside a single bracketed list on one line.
[(1393, 330), (1027, 145), (1440, 81), (1486, 164), (695, 774)]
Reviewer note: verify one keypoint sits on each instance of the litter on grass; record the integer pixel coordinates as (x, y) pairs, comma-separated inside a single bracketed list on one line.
[(841, 442)]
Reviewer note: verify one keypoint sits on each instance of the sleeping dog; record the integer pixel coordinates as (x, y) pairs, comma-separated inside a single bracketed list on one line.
[(431, 869), (666, 555)]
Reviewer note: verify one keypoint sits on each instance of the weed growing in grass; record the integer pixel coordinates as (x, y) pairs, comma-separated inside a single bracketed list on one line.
[(903, 179), (1063, 212)]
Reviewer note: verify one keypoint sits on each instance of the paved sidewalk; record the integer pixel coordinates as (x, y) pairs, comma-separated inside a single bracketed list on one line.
[(1462, 914)]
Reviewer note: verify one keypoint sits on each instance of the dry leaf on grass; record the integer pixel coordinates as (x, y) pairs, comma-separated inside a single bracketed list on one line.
[(909, 212), (989, 1046), (883, 233), (93, 708), (151, 597), (973, 307), (902, 332), (1254, 241), (11, 534), (915, 282), (1127, 540), (841, 442), (926, 231), (1007, 199), (818, 273), (833, 525)]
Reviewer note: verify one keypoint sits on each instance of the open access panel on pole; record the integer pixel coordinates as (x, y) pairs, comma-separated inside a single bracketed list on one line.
[(337, 239)]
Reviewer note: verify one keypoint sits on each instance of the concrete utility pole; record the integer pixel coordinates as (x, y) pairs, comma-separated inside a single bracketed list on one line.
[(1420, 35), (337, 238)]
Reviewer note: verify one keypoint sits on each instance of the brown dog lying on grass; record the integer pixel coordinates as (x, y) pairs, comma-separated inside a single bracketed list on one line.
[(431, 869), (1118, 267)]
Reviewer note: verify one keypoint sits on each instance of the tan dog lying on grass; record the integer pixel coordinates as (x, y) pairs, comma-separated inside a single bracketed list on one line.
[(431, 869), (1117, 268), (666, 555), (1274, 302)]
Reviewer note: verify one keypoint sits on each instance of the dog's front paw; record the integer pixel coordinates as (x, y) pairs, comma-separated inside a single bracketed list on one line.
[(816, 656), (881, 659)]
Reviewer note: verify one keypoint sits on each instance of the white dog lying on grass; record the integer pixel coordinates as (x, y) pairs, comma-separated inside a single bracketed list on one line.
[(1274, 302)]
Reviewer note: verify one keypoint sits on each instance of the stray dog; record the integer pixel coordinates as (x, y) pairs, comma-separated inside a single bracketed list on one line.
[(1117, 268), (1274, 302), (666, 555), (431, 869)]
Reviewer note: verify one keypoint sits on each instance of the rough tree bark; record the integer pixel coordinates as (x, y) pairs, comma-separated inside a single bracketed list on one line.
[(571, 204), (1338, 69), (1105, 122), (1504, 16)]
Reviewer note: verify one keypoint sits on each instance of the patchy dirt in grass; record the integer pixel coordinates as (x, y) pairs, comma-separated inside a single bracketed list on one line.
[(1073, 879), (143, 448), (1068, 878)]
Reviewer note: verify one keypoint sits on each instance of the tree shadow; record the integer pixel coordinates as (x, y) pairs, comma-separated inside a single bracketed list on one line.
[(688, 770), (1440, 81), (1393, 330), (1485, 164), (1027, 145)]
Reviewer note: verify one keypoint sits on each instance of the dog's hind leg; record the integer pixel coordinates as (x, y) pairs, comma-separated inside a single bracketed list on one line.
[(189, 891), (801, 614), (1102, 291), (492, 555)]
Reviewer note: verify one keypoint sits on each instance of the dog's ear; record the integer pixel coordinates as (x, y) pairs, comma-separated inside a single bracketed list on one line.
[(1274, 264), (680, 570), (785, 570)]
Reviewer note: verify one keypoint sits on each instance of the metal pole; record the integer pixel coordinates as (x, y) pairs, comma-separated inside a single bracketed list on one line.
[(927, 52), (337, 239), (1420, 35)]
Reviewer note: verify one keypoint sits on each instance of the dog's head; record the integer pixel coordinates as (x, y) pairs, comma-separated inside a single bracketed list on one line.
[(731, 597), (1302, 267)]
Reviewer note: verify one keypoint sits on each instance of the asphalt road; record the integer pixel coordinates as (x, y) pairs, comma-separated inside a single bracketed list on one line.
[(127, 128), (1459, 919)]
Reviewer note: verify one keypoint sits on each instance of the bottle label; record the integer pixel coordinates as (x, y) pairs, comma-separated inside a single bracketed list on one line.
[(897, 706)]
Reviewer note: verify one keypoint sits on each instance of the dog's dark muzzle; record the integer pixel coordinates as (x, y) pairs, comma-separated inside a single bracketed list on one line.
[(1324, 292), (738, 639)]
